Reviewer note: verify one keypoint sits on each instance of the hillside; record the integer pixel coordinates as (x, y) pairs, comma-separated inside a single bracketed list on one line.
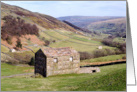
[(107, 25), (83, 21), (18, 23), (45, 21), (78, 28)]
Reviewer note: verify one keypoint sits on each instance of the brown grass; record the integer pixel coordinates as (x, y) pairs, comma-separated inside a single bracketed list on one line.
[(33, 39)]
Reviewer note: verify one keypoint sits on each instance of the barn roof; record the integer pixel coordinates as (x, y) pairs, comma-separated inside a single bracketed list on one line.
[(63, 51)]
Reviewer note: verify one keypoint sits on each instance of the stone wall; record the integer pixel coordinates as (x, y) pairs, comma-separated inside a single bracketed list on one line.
[(89, 70), (63, 65)]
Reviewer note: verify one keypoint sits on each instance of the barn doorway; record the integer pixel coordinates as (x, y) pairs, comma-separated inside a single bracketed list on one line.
[(93, 71)]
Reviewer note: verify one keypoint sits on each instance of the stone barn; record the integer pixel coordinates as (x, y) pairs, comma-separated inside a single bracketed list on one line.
[(53, 61)]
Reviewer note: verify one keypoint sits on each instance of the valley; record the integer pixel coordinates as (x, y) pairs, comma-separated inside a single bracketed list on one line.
[(96, 39)]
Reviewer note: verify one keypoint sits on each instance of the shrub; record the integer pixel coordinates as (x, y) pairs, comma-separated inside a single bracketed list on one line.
[(18, 45), (9, 40), (17, 27), (110, 52), (106, 52), (85, 55), (124, 57), (54, 41), (107, 42), (120, 46), (100, 53), (32, 61), (46, 42), (20, 13)]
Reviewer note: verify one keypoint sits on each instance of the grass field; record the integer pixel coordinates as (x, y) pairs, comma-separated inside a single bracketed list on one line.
[(70, 39), (78, 46), (47, 37), (111, 78), (120, 40), (4, 49), (103, 59), (79, 42), (23, 57), (7, 69)]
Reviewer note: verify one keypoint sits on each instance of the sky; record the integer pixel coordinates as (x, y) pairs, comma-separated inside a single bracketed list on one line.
[(74, 8)]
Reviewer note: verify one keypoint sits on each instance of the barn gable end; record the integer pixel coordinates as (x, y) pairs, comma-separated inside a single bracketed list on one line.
[(40, 63)]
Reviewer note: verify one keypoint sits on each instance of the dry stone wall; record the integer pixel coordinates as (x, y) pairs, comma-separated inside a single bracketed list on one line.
[(89, 69)]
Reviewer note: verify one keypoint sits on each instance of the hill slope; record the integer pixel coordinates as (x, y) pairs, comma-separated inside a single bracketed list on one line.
[(17, 22), (108, 25), (50, 31), (45, 21), (83, 21)]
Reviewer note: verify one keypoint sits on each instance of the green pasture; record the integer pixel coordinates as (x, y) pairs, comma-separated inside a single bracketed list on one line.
[(111, 78)]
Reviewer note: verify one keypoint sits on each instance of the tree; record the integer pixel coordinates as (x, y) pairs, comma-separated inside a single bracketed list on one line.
[(9, 40), (47, 42), (19, 45)]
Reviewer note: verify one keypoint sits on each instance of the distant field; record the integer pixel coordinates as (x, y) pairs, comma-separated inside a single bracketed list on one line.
[(47, 37), (111, 78), (70, 39), (78, 46), (104, 59), (105, 25)]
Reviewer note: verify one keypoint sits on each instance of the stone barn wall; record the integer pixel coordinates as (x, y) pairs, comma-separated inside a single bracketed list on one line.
[(64, 65), (53, 61)]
